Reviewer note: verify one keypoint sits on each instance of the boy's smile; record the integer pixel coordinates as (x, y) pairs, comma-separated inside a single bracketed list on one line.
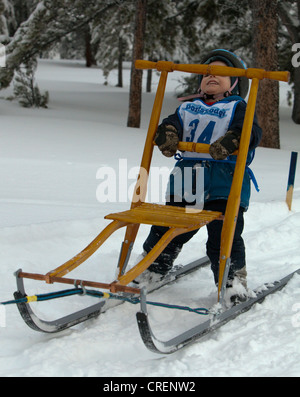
[(212, 81)]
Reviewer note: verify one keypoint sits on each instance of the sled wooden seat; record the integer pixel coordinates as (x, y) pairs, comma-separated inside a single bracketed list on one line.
[(179, 220), (166, 215)]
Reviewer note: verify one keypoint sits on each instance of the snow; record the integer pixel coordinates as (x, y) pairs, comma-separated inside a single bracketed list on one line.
[(49, 160)]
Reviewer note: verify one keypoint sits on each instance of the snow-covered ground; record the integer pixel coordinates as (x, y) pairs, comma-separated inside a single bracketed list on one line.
[(49, 163)]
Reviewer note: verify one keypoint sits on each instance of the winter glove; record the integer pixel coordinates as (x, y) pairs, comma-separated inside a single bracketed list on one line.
[(167, 139), (225, 145)]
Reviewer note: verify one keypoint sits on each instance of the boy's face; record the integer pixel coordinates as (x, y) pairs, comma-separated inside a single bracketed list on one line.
[(215, 85)]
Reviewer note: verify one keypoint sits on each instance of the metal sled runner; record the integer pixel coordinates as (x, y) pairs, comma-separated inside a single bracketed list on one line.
[(177, 219)]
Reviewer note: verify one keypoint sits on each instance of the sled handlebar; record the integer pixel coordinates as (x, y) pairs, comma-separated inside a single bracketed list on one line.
[(213, 69), (195, 147)]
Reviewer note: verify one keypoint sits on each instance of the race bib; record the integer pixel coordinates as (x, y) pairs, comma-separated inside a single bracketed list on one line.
[(205, 123)]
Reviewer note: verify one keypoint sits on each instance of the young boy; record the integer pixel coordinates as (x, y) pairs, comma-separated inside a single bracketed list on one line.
[(214, 116)]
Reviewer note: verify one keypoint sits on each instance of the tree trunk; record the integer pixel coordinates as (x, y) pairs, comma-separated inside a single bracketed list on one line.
[(296, 106), (265, 39), (120, 63), (149, 75), (149, 80), (135, 98), (89, 59)]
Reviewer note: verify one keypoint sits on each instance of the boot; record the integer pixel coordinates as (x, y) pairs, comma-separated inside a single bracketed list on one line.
[(236, 288), (157, 271)]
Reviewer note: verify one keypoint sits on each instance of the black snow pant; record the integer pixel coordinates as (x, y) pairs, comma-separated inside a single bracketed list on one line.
[(165, 260)]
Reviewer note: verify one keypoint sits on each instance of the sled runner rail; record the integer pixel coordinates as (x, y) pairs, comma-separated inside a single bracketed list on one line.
[(206, 327), (58, 325)]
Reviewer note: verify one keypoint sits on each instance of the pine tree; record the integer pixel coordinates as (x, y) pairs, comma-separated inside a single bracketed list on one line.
[(112, 36), (26, 89)]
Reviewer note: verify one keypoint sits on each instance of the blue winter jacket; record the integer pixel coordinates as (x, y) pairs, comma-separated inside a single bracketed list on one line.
[(217, 174)]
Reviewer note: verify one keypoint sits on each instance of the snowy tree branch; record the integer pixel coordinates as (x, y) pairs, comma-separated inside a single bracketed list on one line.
[(291, 22), (50, 21)]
